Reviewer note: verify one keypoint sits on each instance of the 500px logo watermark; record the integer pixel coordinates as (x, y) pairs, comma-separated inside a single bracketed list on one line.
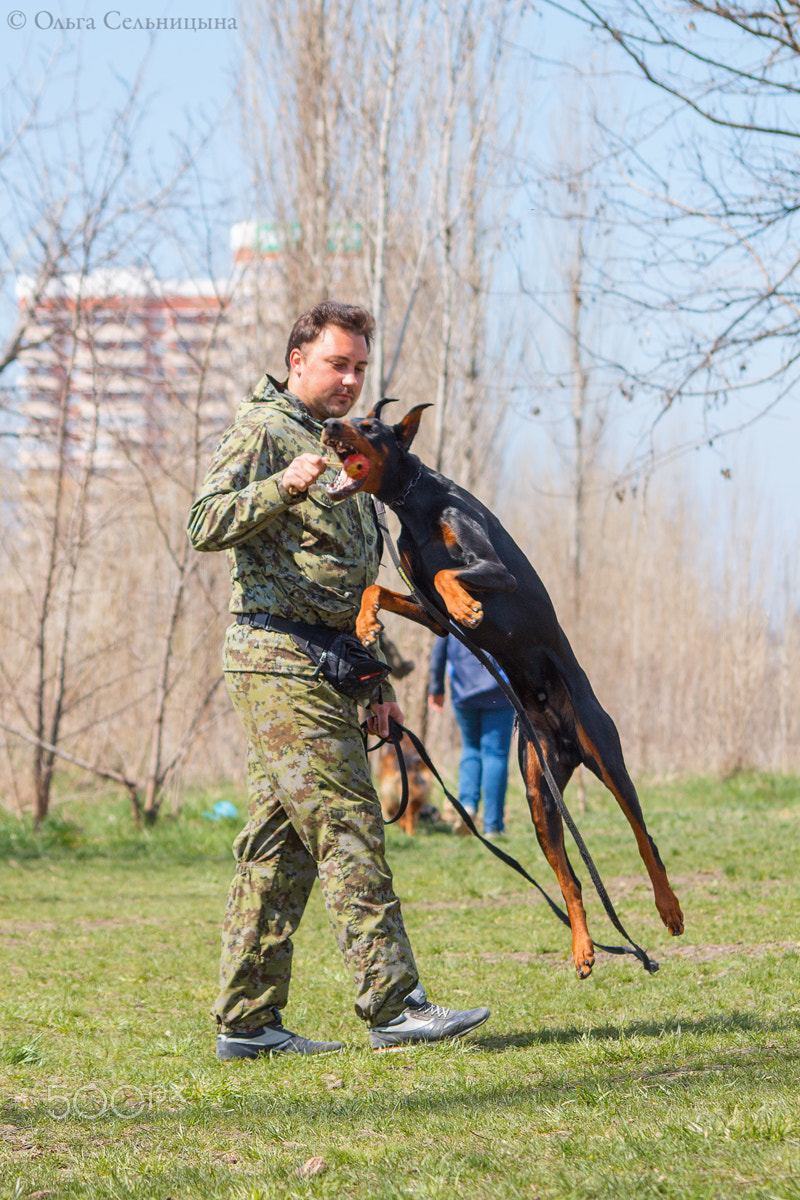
[(115, 20), (91, 1101)]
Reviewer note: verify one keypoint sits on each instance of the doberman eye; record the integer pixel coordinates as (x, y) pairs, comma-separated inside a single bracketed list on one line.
[(368, 426)]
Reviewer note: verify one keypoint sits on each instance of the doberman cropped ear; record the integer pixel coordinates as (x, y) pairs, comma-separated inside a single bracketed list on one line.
[(406, 430), (376, 411)]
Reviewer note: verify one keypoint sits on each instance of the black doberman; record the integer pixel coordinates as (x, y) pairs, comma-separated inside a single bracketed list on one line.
[(452, 547)]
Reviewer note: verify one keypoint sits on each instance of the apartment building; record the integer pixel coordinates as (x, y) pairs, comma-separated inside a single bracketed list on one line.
[(122, 365), (125, 365)]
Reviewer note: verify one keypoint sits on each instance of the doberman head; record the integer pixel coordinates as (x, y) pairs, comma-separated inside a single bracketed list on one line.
[(373, 454)]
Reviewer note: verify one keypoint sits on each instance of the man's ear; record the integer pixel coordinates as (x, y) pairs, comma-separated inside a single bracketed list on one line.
[(406, 430)]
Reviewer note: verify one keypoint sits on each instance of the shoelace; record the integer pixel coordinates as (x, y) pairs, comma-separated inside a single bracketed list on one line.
[(431, 1010)]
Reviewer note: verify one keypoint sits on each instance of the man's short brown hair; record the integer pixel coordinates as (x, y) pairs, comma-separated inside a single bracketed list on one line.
[(310, 324)]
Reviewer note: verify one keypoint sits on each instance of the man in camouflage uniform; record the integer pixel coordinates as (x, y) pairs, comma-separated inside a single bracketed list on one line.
[(313, 811)]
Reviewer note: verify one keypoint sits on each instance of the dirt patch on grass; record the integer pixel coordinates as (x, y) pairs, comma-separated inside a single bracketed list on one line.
[(468, 902), (552, 958), (617, 885), (730, 1057), (698, 954), (691, 879), (117, 922), (15, 929), (732, 950)]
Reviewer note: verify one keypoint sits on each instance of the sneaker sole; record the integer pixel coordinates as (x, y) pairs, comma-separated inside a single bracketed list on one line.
[(450, 1037), (237, 1053), (234, 1054)]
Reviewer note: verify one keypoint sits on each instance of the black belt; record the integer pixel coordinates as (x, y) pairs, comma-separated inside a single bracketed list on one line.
[(282, 625), (338, 656)]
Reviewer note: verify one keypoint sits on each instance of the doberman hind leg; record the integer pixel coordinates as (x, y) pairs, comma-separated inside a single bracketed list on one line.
[(550, 832), (602, 754), (374, 599)]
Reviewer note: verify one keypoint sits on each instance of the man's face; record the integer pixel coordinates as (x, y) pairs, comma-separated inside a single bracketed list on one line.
[(328, 374)]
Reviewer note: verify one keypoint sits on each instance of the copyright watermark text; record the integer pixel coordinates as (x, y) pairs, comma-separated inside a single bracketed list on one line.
[(114, 19)]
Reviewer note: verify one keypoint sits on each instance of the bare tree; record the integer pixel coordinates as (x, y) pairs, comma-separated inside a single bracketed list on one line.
[(88, 214), (39, 249), (72, 221), (572, 387), (708, 193), (389, 200), (339, 172), (298, 139), (472, 158), (573, 374), (168, 480)]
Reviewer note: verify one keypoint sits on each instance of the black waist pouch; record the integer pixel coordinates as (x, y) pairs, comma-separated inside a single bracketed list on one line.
[(339, 657), (344, 662)]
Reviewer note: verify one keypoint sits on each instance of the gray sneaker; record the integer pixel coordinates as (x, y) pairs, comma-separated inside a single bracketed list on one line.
[(269, 1039), (421, 1021)]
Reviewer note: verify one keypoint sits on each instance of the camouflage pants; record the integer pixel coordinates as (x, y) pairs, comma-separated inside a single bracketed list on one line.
[(313, 814)]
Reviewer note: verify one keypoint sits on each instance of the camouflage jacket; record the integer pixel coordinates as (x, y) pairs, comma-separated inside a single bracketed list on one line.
[(301, 557)]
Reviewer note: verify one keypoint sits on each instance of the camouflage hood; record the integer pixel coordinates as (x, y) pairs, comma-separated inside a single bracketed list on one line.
[(270, 392)]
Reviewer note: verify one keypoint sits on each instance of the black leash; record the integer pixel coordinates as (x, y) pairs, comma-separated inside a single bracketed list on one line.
[(526, 729), (396, 732)]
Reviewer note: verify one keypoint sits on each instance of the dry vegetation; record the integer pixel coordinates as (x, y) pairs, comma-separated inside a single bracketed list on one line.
[(110, 628)]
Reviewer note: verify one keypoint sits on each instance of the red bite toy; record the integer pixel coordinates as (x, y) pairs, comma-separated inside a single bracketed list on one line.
[(356, 466)]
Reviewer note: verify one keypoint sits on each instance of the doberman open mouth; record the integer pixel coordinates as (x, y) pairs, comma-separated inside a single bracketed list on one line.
[(355, 468)]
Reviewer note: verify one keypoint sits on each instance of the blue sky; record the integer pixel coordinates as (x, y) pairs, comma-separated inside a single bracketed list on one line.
[(191, 75), (190, 70)]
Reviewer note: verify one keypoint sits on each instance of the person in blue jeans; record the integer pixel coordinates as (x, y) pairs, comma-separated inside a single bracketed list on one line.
[(486, 720)]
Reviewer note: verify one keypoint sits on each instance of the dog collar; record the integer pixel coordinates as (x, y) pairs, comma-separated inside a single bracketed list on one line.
[(401, 499)]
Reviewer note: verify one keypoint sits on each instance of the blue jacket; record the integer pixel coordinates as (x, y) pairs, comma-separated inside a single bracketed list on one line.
[(471, 685)]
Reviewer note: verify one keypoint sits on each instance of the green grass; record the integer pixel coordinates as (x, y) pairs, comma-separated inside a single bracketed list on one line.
[(684, 1084)]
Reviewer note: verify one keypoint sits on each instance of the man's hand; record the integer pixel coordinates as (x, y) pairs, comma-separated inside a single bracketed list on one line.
[(436, 702), (378, 721), (302, 472)]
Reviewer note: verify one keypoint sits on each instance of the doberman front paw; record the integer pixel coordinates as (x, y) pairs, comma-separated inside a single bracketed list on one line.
[(670, 912), (583, 956)]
